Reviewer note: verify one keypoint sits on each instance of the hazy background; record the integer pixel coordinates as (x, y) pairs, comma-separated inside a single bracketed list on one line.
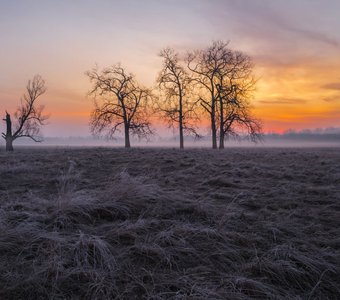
[(295, 45)]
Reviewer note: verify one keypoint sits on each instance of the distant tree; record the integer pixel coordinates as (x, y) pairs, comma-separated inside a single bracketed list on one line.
[(236, 119), (234, 90), (205, 66), (119, 102), (224, 78), (29, 117), (175, 103)]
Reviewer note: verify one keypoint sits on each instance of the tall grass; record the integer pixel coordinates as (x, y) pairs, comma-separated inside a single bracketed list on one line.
[(136, 238)]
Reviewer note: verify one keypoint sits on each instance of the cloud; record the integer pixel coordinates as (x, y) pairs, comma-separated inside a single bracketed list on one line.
[(334, 98), (276, 25), (283, 101), (313, 35), (332, 86)]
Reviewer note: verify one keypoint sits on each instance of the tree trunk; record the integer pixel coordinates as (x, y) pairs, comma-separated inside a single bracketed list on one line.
[(213, 132), (9, 144), (127, 136), (9, 137), (213, 127), (212, 116), (181, 137), (221, 125), (222, 141)]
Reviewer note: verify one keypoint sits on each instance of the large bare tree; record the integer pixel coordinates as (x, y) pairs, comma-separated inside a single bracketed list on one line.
[(235, 86), (119, 102), (206, 65), (29, 117), (175, 103), (224, 77)]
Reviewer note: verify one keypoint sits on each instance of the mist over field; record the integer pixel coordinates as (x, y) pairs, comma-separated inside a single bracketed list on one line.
[(328, 137), (111, 223)]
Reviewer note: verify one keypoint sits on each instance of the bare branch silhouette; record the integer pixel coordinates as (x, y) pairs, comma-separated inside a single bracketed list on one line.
[(119, 101), (29, 117), (235, 86), (224, 77), (175, 103), (205, 65)]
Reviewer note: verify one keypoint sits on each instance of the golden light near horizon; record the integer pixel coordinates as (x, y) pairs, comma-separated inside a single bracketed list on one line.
[(299, 96), (297, 64)]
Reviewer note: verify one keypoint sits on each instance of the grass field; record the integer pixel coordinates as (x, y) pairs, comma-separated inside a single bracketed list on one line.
[(167, 224)]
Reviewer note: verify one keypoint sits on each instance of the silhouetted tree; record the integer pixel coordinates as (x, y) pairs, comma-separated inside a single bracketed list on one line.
[(224, 76), (122, 103), (175, 104), (234, 89), (236, 118), (29, 117), (206, 65)]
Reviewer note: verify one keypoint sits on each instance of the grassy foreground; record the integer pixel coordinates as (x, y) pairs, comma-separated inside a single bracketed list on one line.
[(169, 224)]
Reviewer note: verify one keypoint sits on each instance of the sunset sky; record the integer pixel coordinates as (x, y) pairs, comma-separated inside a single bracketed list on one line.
[(295, 45)]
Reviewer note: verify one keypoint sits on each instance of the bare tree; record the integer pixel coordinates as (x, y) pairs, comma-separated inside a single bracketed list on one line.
[(224, 77), (29, 117), (119, 102), (206, 65), (235, 86), (235, 117), (174, 82)]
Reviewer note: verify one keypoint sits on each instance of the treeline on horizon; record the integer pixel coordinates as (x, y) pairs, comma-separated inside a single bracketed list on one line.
[(216, 82)]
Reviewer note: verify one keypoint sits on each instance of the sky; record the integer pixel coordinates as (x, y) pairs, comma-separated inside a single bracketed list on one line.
[(295, 46)]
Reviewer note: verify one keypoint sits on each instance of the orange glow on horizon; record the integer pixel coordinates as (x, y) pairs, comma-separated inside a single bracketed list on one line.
[(297, 96)]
